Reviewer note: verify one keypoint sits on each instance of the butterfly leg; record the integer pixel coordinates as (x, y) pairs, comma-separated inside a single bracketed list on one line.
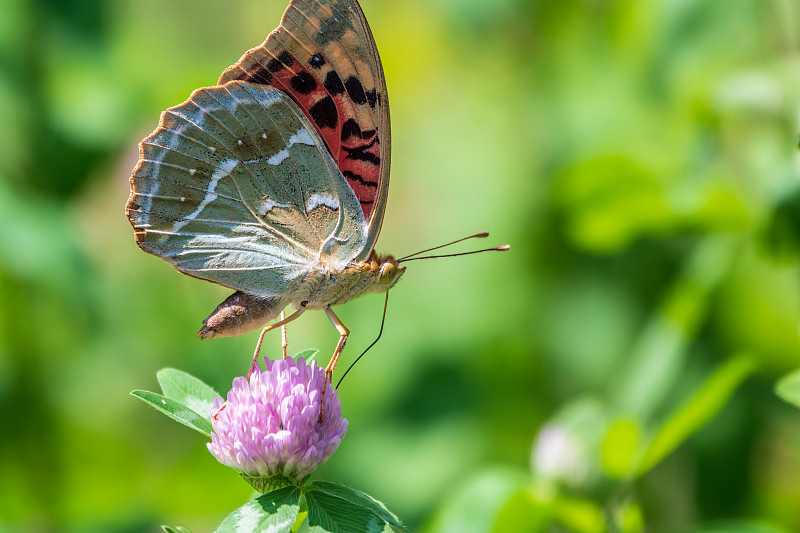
[(284, 341), (280, 323), (343, 334)]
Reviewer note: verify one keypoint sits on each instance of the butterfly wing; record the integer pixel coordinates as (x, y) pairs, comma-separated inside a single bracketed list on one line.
[(323, 54), (236, 187)]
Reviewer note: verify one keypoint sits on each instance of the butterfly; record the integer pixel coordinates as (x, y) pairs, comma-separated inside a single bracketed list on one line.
[(274, 181)]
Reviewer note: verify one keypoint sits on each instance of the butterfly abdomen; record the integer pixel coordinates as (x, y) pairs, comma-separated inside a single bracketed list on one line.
[(239, 313)]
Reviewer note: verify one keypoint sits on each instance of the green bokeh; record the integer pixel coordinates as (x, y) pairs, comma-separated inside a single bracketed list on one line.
[(638, 155)]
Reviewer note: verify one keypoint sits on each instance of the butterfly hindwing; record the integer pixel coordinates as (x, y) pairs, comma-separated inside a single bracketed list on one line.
[(324, 56), (236, 187)]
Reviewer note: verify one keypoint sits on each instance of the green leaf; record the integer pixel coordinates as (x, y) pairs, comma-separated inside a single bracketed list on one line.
[(698, 411), (357, 497), (333, 507), (273, 512), (308, 355), (169, 529), (176, 411), (188, 390), (661, 350), (788, 388)]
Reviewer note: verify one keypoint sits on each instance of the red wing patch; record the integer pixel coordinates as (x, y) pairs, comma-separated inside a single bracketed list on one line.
[(322, 58)]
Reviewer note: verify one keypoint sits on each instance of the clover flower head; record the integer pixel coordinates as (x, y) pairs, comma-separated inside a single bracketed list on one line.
[(269, 428)]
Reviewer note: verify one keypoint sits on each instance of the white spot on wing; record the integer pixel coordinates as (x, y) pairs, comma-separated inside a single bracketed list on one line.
[(301, 137), (317, 200), (225, 169), (267, 204)]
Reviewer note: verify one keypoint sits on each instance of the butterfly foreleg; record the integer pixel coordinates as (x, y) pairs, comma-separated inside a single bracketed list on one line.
[(281, 323), (343, 334)]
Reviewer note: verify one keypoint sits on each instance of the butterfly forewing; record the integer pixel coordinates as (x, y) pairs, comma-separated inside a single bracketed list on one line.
[(324, 56), (236, 187)]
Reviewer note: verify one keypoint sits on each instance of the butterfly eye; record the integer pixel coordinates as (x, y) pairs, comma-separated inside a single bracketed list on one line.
[(387, 273)]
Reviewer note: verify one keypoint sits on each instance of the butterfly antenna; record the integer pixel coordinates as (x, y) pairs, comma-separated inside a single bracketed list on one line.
[(383, 320), (481, 235), (502, 248)]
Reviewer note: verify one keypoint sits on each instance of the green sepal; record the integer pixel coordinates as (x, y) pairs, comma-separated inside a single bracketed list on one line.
[(266, 484)]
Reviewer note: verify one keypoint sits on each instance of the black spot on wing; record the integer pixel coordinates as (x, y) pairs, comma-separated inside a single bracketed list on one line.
[(372, 98), (274, 65), (316, 61), (324, 113), (260, 75), (351, 129), (355, 90), (286, 58), (333, 84), (303, 83), (349, 174), (359, 153)]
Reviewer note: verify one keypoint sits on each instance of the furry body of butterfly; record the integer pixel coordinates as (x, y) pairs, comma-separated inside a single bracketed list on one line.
[(321, 288)]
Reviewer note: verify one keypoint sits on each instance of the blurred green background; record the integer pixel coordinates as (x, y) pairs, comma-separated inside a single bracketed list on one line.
[(613, 372)]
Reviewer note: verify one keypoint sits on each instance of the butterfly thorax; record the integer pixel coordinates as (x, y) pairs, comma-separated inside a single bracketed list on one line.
[(324, 287)]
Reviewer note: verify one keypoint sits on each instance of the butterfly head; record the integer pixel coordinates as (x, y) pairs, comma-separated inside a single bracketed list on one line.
[(388, 271)]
